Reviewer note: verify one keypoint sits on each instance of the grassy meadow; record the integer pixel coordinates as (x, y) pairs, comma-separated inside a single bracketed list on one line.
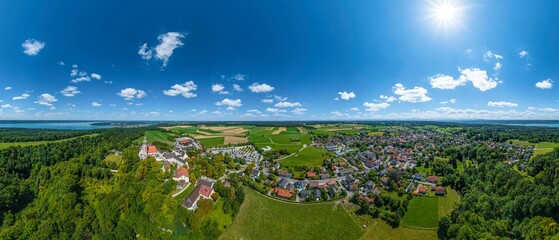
[(264, 218)]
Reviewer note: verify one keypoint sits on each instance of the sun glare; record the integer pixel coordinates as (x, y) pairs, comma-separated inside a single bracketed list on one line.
[(445, 14)]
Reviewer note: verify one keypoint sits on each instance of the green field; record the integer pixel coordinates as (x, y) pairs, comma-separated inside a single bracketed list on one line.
[(181, 130), (208, 131), (377, 134), (155, 136), (211, 142), (223, 220), (291, 139), (264, 218), (35, 143), (382, 231), (422, 212), (447, 203), (541, 147), (310, 157)]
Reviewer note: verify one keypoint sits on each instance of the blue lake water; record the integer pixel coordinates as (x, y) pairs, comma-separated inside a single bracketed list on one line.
[(536, 124), (54, 125)]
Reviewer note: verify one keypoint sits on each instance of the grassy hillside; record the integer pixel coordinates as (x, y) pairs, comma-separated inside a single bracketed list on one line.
[(263, 218)]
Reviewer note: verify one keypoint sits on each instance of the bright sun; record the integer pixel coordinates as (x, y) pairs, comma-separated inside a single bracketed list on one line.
[(446, 14)]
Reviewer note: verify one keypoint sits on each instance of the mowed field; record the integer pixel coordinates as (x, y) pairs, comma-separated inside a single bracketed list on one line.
[(291, 139), (264, 218), (382, 231), (35, 143), (310, 157), (425, 212), (155, 136), (211, 136), (541, 147)]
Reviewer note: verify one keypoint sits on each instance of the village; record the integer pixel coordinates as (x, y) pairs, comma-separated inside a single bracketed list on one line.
[(362, 167)]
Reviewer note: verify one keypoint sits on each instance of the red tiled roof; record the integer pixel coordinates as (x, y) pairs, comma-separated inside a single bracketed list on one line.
[(152, 149), (283, 192), (422, 189), (182, 172), (311, 174), (432, 179), (205, 191)]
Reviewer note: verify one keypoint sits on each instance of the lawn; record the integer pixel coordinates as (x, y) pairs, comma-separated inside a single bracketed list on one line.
[(310, 157), (290, 139), (185, 193), (376, 134), (422, 212), (211, 142), (541, 147), (35, 143), (155, 136), (382, 231), (447, 203), (181, 130), (223, 220), (264, 218), (117, 159)]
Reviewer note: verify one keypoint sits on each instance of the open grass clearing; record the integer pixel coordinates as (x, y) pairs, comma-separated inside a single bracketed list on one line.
[(310, 157), (382, 231), (422, 212), (264, 218), (211, 142)]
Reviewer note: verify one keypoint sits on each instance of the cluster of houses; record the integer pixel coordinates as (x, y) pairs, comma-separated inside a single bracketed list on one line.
[(176, 159)]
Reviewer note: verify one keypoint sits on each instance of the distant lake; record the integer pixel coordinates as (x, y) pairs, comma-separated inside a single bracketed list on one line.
[(53, 125), (536, 124)]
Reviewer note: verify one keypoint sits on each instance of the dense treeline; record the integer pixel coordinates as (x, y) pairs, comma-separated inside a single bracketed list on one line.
[(65, 191), (31, 135), (498, 202)]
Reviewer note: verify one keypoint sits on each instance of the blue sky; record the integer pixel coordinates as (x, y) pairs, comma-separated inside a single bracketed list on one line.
[(279, 60)]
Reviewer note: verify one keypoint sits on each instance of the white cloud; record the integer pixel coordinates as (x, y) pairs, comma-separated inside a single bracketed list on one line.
[(81, 79), (144, 52), (502, 104), (275, 110), (268, 100), (446, 82), (70, 91), (154, 114), (253, 111), (346, 95), (260, 88), (60, 63), (387, 99), (74, 72), (8, 88), (219, 88), (545, 84), (375, 106), (74, 66), (96, 104), (202, 112), (168, 42), (186, 90), (479, 78), (469, 51), (229, 102), (46, 99), (21, 97), (414, 95), (32, 47), (238, 77), (523, 53), (490, 55), (96, 76), (237, 87), (131, 93), (299, 110), (6, 106), (451, 101), (498, 66), (287, 104), (354, 109), (280, 98)]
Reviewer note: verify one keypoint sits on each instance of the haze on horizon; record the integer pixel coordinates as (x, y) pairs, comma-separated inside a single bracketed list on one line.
[(287, 60)]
